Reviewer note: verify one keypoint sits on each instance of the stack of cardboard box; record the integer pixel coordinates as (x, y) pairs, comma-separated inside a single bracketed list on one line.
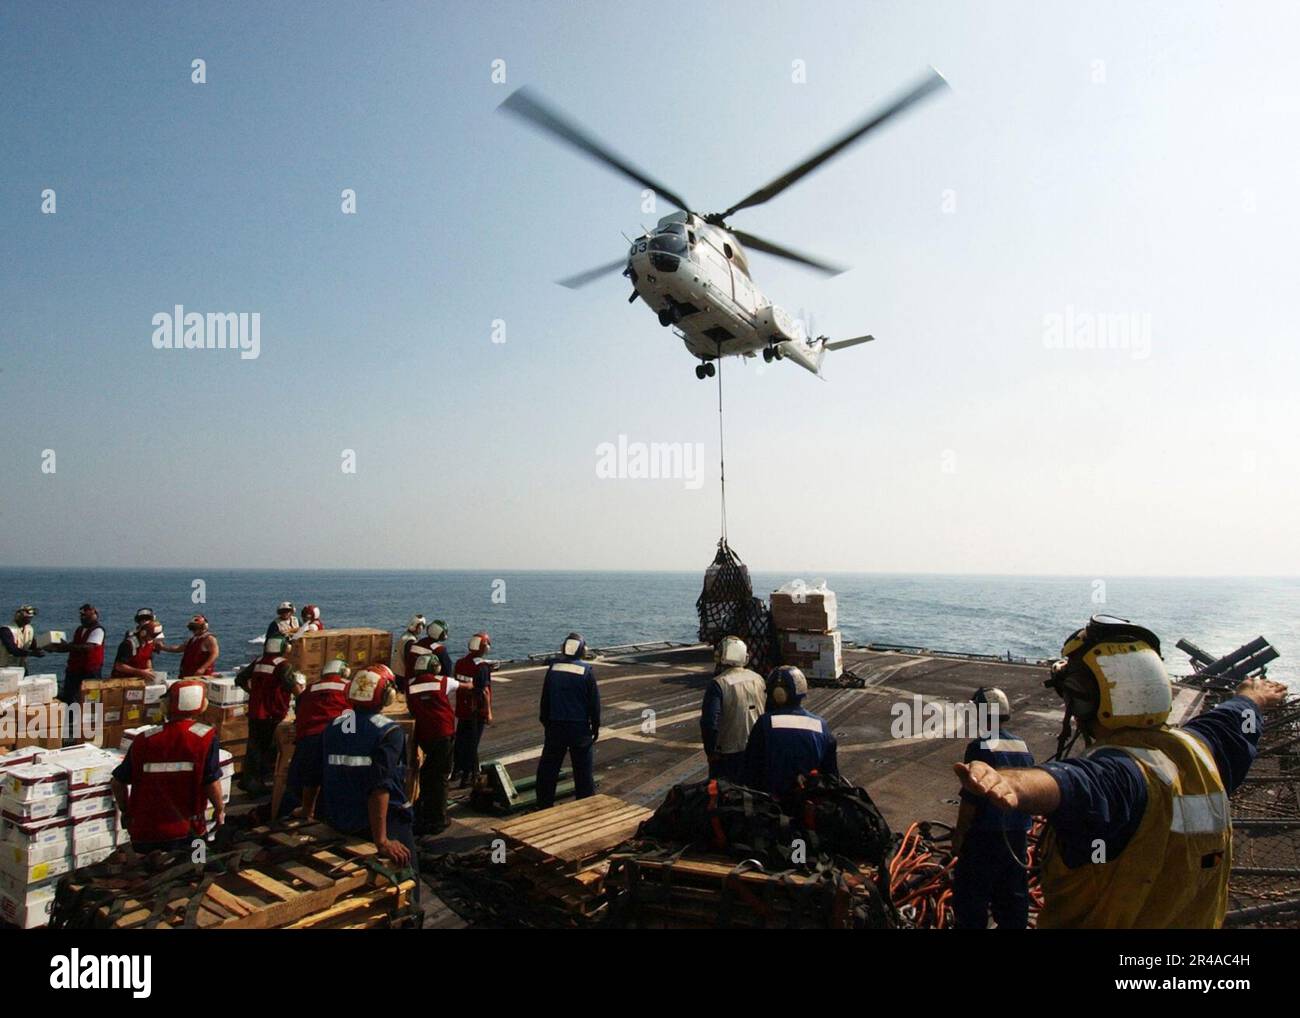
[(109, 707), (231, 723), (56, 815), (806, 621), (358, 647)]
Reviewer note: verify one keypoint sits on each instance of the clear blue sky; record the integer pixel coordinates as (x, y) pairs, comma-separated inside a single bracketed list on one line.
[(1105, 159)]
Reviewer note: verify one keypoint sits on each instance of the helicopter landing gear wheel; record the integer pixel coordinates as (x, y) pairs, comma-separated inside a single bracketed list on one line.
[(665, 318), (767, 355), (700, 373), (710, 369)]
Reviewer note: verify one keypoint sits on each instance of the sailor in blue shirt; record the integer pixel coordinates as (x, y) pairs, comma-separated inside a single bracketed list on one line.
[(363, 786), (570, 714), (989, 843), (787, 742)]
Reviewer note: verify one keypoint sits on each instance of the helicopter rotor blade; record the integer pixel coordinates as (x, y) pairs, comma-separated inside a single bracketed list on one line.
[(524, 104), (591, 275), (930, 83), (766, 246)]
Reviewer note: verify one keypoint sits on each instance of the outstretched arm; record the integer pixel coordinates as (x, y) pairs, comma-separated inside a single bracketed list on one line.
[(1025, 789)]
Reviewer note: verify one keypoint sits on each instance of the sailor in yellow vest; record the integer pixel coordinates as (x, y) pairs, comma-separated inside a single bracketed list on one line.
[(18, 639), (1139, 834)]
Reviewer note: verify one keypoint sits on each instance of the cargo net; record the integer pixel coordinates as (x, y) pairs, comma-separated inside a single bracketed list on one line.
[(727, 607), (1264, 889)]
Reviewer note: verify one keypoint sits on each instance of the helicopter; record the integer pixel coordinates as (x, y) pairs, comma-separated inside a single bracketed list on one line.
[(692, 269)]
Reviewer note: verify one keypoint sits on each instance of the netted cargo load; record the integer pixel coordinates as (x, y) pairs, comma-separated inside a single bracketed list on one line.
[(727, 607)]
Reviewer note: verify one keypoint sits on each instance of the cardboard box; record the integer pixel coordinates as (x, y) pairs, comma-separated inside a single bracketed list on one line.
[(9, 679), (223, 691), (35, 690), (805, 611), (29, 911), (50, 637), (358, 647), (35, 781), (110, 736), (818, 655)]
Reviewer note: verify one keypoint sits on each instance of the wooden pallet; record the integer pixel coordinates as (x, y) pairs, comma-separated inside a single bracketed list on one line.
[(573, 835), (323, 883)]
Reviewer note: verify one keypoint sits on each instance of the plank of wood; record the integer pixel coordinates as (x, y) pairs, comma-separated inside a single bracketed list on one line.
[(556, 815), (617, 820), (228, 900), (305, 874), (355, 903), (569, 846), (269, 885), (283, 912)]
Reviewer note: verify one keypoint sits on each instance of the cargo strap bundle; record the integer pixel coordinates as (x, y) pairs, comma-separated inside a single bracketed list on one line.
[(727, 607)]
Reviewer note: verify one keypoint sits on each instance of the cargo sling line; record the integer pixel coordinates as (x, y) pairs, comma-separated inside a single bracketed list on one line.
[(722, 454)]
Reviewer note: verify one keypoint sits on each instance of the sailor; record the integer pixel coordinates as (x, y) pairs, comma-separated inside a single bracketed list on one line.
[(428, 698), (173, 773), (18, 639), (285, 622), (401, 660), (990, 844), (570, 715), (271, 682), (733, 703), (1138, 831), (317, 706), (787, 742), (134, 658), (85, 654), (473, 706), (364, 776), (432, 641), (199, 653), (311, 620)]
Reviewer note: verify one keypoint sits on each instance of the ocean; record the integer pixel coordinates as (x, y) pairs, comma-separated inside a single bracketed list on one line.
[(530, 612)]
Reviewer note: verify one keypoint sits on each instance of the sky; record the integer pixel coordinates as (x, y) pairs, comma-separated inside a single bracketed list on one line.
[(1092, 164)]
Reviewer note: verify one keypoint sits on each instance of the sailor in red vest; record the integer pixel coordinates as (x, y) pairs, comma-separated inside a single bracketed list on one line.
[(199, 653), (432, 640), (473, 706), (318, 705), (429, 700), (134, 658), (85, 654), (173, 773), (271, 684)]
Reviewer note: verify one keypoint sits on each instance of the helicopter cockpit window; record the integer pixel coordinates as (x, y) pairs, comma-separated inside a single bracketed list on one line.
[(671, 238)]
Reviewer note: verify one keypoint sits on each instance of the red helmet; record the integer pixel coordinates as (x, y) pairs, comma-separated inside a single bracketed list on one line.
[(371, 687), (480, 643), (187, 698), (310, 613)]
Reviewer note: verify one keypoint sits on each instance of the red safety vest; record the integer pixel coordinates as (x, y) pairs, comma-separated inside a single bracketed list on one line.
[(167, 790), (469, 703), (194, 653), (85, 662), (267, 698), (141, 656), (428, 699), (319, 704)]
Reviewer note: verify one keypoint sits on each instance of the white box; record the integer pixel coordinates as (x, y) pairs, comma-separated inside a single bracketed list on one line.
[(154, 692), (26, 810), (21, 872), (35, 781), (89, 768), (90, 858), (29, 911), (9, 679), (47, 831), (50, 637), (90, 802), (818, 655), (36, 690)]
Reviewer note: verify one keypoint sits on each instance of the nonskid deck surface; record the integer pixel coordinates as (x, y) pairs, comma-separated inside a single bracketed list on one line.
[(639, 761)]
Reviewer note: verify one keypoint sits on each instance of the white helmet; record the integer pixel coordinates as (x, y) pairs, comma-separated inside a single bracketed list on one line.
[(995, 699), (732, 652), (275, 645), (416, 624)]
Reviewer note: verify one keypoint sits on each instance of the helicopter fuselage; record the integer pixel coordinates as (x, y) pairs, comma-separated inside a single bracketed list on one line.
[(695, 276)]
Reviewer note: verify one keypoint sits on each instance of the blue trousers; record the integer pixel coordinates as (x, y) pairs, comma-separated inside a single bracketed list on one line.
[(988, 877), (573, 738)]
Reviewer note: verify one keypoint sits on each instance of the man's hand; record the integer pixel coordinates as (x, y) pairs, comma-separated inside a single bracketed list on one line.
[(980, 779), (396, 851), (218, 819), (1264, 693)]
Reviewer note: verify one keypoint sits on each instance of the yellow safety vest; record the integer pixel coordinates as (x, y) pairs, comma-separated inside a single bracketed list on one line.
[(1173, 873)]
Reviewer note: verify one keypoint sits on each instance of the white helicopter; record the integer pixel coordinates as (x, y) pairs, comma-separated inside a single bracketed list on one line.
[(692, 270)]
